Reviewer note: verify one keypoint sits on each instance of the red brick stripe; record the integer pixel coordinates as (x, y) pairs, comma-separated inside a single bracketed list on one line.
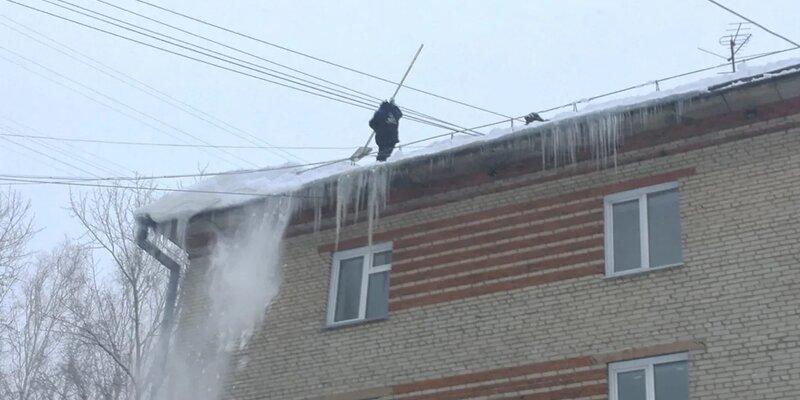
[(495, 374), (513, 234), (518, 244), (498, 223), (501, 286), (497, 274), (515, 386), (399, 279), (563, 394)]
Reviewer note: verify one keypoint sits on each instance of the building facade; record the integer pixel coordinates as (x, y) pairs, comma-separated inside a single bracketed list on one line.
[(673, 274)]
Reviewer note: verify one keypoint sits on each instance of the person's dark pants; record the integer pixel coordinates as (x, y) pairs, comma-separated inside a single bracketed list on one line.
[(384, 152), (386, 140)]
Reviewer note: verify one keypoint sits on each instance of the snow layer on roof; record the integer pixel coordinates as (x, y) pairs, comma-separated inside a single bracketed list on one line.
[(289, 179)]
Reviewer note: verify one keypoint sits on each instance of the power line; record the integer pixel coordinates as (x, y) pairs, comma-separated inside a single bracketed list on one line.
[(362, 98), (141, 86), (49, 156), (237, 50), (352, 102), (62, 76), (457, 131), (181, 54), (76, 157), (237, 61), (206, 52), (44, 182), (85, 86), (40, 159), (24, 127), (156, 144), (754, 23), (174, 176), (362, 94), (172, 103), (321, 60), (53, 149)]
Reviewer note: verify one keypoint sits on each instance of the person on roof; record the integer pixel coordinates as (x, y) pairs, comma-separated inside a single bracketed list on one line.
[(385, 122)]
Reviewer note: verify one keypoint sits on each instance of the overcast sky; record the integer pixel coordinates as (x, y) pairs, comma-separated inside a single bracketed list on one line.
[(511, 57)]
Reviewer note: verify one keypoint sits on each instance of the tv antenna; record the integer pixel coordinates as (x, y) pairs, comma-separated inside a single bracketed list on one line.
[(738, 37)]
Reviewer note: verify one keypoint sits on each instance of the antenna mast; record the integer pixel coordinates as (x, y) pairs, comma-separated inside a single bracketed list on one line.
[(733, 42)]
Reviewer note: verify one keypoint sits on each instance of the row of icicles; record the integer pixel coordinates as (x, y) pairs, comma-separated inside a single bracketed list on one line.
[(366, 190)]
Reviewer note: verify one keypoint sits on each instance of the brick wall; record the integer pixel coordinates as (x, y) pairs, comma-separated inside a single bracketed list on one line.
[(501, 295)]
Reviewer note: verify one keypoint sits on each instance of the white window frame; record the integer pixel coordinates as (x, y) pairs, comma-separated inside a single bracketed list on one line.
[(367, 252), (648, 365), (644, 234)]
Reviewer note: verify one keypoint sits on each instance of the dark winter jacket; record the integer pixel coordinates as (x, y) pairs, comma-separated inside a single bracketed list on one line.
[(385, 123)]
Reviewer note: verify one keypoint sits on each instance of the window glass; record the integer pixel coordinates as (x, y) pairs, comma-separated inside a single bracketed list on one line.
[(382, 258), (378, 295), (627, 247), (360, 284), (631, 385), (664, 228), (672, 381), (349, 289)]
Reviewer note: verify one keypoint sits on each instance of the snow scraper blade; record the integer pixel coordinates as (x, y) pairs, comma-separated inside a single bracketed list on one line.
[(360, 153)]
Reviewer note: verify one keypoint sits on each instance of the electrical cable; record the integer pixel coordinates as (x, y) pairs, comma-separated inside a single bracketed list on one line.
[(155, 144), (50, 157), (62, 183), (36, 138), (139, 86), (180, 54), (74, 157), (173, 176), (352, 102), (322, 60), (362, 98), (754, 23), (77, 156), (185, 46), (40, 159), (362, 94), (108, 98)]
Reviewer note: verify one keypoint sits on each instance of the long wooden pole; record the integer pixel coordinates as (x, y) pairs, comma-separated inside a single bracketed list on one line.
[(399, 85), (414, 60)]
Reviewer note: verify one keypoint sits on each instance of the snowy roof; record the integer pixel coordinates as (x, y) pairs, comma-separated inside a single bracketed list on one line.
[(287, 179)]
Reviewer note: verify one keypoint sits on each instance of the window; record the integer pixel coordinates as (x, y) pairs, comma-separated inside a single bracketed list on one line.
[(657, 378), (642, 229), (360, 284)]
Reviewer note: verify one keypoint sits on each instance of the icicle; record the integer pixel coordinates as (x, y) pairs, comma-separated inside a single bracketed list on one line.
[(317, 194), (344, 189), (378, 197), (360, 186)]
